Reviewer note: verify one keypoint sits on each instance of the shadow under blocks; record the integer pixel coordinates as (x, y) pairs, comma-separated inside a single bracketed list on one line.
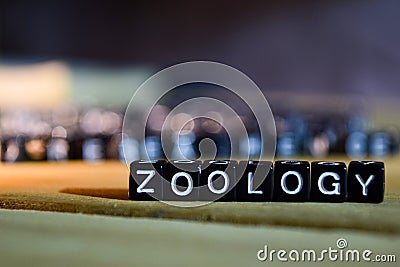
[(257, 181)]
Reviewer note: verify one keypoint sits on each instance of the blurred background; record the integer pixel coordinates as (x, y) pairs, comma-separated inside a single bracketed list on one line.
[(330, 70)]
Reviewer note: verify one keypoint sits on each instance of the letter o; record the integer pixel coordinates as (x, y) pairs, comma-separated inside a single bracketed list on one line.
[(188, 189), (212, 188), (283, 182)]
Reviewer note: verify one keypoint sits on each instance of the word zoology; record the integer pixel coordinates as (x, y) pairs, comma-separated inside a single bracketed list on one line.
[(257, 181)]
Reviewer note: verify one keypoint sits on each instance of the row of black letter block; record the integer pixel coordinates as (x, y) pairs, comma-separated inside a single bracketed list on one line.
[(257, 181)]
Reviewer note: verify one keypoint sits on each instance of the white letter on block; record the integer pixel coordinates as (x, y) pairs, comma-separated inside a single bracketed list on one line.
[(190, 184), (366, 184), (283, 182), (250, 189), (150, 174), (336, 185), (212, 188)]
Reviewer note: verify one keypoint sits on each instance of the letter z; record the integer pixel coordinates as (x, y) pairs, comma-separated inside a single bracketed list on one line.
[(150, 174)]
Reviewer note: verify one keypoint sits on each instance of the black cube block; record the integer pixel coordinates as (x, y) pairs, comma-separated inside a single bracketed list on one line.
[(217, 180), (328, 181), (291, 181), (366, 181), (145, 180), (256, 182), (181, 180), (13, 149)]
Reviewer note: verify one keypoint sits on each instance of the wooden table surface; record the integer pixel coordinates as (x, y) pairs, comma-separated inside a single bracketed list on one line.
[(59, 214)]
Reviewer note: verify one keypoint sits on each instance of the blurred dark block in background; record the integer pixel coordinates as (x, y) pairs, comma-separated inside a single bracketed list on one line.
[(94, 134)]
